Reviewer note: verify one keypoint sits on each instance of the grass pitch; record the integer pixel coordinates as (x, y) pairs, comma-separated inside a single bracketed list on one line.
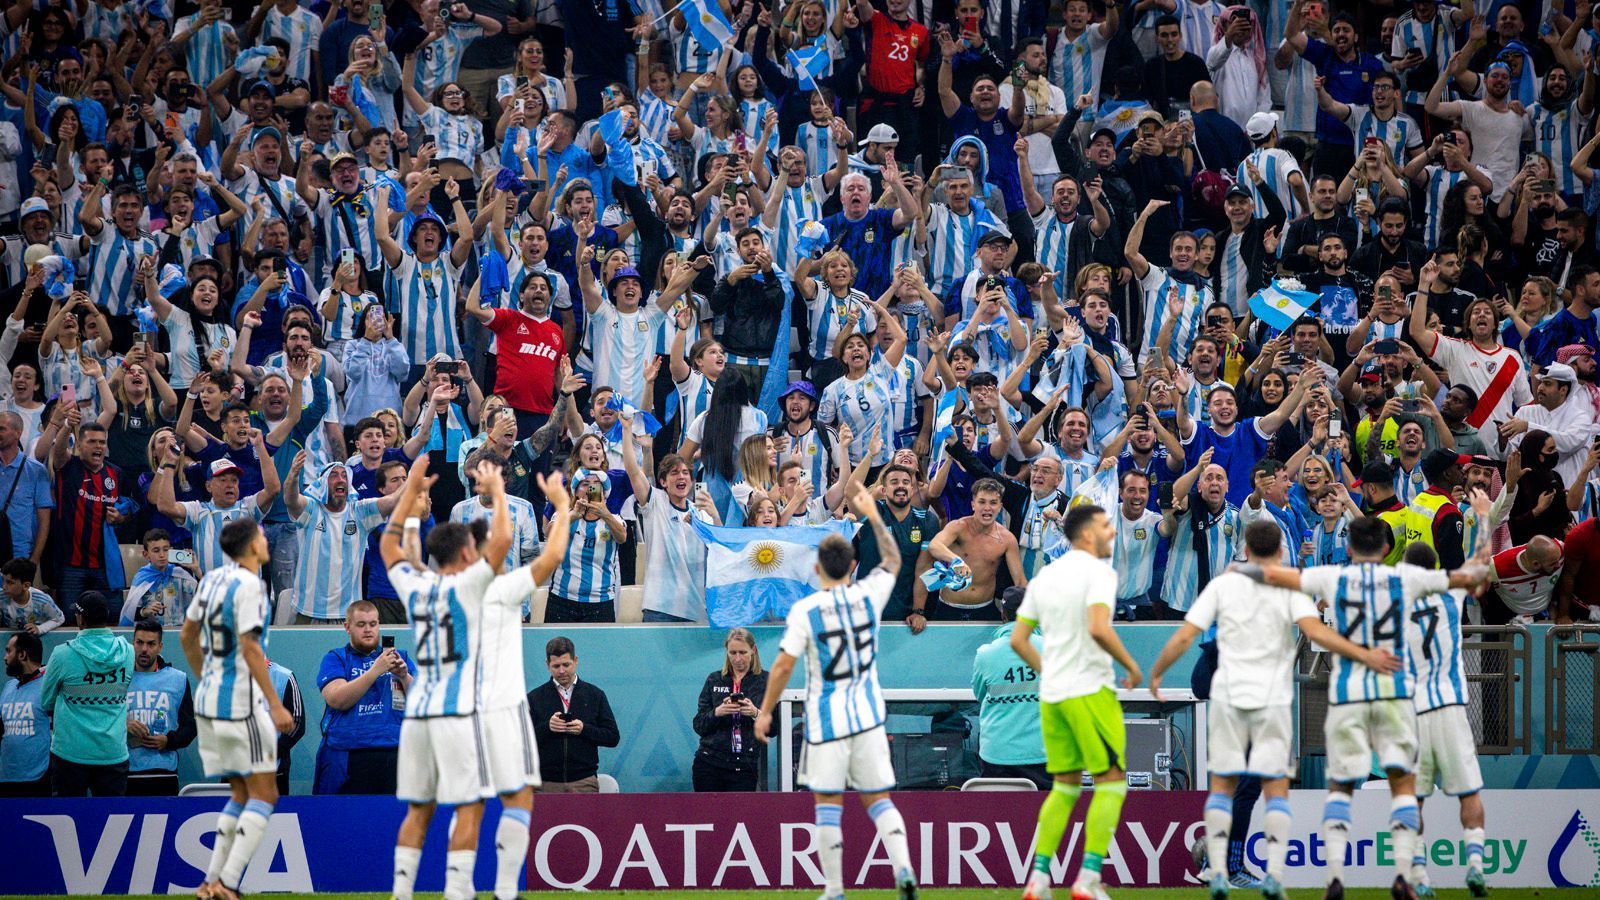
[(932, 894)]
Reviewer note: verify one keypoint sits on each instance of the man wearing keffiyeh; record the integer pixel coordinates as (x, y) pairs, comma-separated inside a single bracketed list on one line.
[(1238, 64)]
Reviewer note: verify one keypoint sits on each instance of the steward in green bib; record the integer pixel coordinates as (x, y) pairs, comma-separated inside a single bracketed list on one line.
[(1433, 517)]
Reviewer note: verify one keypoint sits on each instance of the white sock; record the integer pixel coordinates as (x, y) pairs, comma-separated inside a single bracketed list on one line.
[(458, 866), (1276, 827), (406, 862), (1219, 820), (227, 826), (1405, 821), (1336, 832), (892, 830), (246, 838), (1419, 861), (830, 848), (510, 850), (1474, 840)]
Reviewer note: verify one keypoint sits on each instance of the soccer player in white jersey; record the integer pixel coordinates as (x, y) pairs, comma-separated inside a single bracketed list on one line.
[(1371, 712), (513, 756), (237, 712), (835, 631), (1071, 602), (1444, 736), (1252, 695), (443, 754)]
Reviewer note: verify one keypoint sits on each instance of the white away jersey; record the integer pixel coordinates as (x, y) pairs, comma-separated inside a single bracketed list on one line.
[(836, 633), (447, 624), (1433, 651), (1255, 639), (229, 603), (1058, 599), (504, 685), (1369, 603)]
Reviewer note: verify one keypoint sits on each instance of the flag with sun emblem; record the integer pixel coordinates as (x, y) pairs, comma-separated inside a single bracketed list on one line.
[(758, 573)]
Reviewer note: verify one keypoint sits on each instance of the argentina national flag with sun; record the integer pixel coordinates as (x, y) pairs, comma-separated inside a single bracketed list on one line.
[(758, 573)]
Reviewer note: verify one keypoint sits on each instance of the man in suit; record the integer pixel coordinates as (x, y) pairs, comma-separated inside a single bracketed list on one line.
[(572, 720)]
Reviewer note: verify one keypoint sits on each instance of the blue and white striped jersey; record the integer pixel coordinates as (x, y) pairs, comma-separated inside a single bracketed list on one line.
[(199, 239), (524, 525), (184, 359), (1134, 553), (332, 545), (460, 137), (835, 633), (865, 404), (440, 61), (115, 258), (1053, 243), (694, 396), (1224, 535), (830, 314), (655, 116), (1407, 485), (1299, 95), (1235, 273), (1155, 285), (1196, 20), (1076, 64), (207, 50), (1436, 39), (812, 451), (620, 343), (675, 561), (949, 246), (1275, 166), (279, 193), (589, 572), (906, 393), (230, 602), (302, 28), (1400, 132), (1433, 651), (337, 219), (821, 152), (688, 54), (447, 623), (1440, 181), (800, 205), (205, 521), (1558, 133), (1369, 603), (425, 293)]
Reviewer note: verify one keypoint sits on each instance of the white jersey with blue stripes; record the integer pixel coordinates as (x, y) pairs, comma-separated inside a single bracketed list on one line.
[(1155, 284), (1275, 166), (1436, 39), (588, 572), (1369, 603), (1134, 553), (1439, 182), (950, 246), (524, 525), (1558, 133), (206, 521), (830, 314), (817, 144), (332, 545), (115, 258), (866, 405), (799, 205), (1224, 535), (425, 293), (835, 634), (231, 602), (1433, 645), (1399, 132), (447, 624), (1076, 64)]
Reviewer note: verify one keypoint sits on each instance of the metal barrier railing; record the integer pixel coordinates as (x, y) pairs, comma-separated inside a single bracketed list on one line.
[(1496, 661), (1571, 689)]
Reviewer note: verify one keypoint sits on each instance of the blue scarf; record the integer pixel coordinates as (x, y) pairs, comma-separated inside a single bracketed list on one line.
[(778, 364)]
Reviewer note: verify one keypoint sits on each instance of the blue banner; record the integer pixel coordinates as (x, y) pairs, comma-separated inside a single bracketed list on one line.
[(161, 845)]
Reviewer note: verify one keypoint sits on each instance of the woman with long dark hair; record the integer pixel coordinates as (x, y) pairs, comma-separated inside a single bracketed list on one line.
[(1540, 506), (715, 437)]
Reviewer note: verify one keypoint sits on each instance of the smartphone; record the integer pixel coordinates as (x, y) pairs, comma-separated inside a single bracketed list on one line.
[(1363, 195), (1385, 292), (141, 339), (1164, 494), (445, 368), (1294, 358), (566, 717), (339, 94), (1185, 115), (347, 257), (522, 82), (969, 24), (1410, 404), (386, 642), (182, 557), (1544, 186), (1449, 137), (280, 264), (1335, 428), (1370, 142), (48, 153), (736, 697), (69, 395), (1386, 348), (522, 107)]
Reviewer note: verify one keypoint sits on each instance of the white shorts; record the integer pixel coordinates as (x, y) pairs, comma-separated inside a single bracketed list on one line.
[(513, 755), (1252, 741), (1355, 731), (1448, 753), (443, 760), (233, 748), (860, 761)]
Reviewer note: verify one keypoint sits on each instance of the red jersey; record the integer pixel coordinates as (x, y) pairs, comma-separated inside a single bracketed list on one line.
[(1582, 548), (895, 50), (83, 498), (525, 371), (1523, 592)]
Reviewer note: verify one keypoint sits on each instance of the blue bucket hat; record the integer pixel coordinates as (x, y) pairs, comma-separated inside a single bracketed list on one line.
[(799, 387), (428, 217)]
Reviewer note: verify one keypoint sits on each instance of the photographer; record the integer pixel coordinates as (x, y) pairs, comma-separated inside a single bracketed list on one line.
[(730, 758), (364, 685)]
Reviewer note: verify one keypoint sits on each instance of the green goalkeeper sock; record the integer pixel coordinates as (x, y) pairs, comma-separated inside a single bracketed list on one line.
[(1053, 816), (1105, 809)]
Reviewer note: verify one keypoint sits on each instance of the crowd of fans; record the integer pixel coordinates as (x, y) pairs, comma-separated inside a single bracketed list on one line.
[(716, 261)]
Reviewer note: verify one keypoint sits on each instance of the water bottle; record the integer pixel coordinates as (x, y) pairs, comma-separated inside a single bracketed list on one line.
[(1306, 556)]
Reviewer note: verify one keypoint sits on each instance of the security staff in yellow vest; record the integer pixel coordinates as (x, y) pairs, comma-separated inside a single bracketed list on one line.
[(1378, 499), (1433, 517)]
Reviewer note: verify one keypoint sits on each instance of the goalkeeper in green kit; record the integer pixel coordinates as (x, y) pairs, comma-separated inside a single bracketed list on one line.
[(1071, 602)]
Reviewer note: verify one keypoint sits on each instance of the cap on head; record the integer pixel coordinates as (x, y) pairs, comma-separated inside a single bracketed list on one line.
[(799, 387), (1438, 461), (222, 467), (624, 272), (881, 133), (1559, 372), (1261, 125), (33, 205)]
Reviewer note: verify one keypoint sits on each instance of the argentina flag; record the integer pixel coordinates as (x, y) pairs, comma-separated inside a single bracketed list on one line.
[(1280, 303), (758, 573), (810, 64), (705, 20)]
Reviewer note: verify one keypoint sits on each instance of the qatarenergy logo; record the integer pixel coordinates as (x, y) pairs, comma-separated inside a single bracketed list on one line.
[(1575, 856)]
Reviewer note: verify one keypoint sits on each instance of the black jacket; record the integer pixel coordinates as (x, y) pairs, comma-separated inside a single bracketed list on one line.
[(568, 757), (716, 732), (1259, 265), (750, 311), (1306, 230)]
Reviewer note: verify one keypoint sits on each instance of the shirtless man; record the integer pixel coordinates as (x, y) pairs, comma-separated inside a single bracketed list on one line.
[(974, 546)]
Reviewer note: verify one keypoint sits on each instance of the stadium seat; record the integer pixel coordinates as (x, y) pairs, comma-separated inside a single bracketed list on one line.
[(998, 784), (608, 785), (536, 605), (630, 604), (132, 558)]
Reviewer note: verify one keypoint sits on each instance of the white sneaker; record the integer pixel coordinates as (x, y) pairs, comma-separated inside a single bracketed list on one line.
[(1038, 886), (1089, 888)]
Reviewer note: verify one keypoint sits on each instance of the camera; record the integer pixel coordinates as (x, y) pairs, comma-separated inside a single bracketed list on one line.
[(386, 642)]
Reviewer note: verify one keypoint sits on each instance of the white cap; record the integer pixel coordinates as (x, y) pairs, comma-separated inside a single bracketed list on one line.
[(881, 133), (33, 205), (1260, 125)]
